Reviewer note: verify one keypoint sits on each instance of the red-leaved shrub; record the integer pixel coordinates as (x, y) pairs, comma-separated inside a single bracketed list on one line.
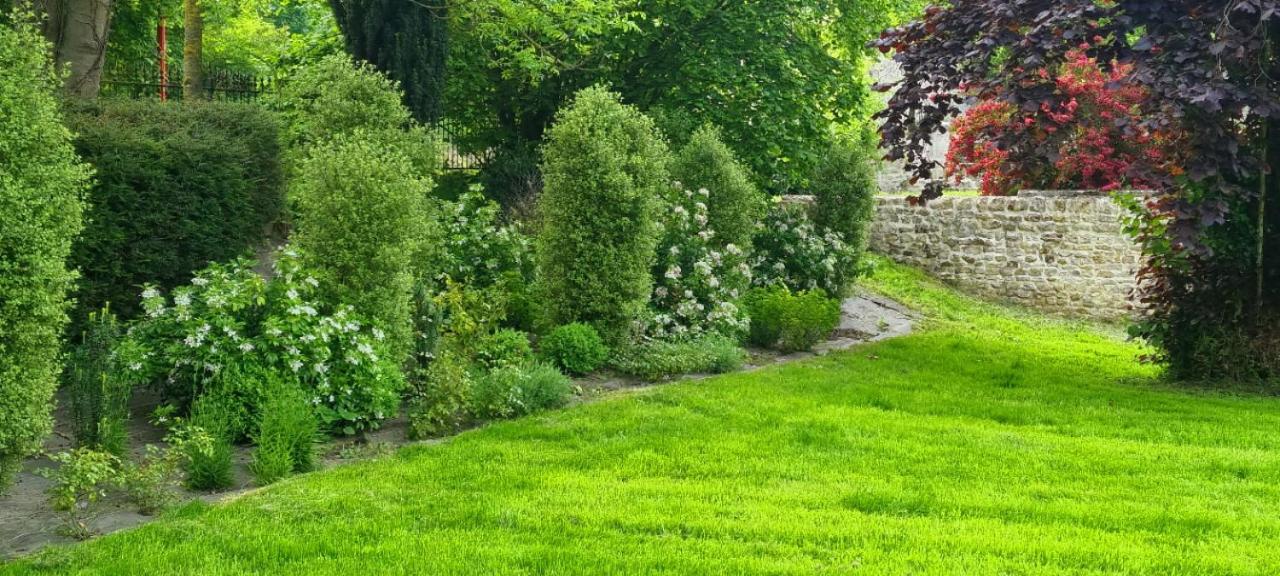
[(1093, 122)]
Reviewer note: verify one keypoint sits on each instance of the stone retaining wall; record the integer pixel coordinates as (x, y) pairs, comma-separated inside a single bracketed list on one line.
[(1065, 255)]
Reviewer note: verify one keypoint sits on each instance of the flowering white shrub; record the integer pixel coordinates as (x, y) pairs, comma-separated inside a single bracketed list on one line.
[(697, 286), (791, 251), (230, 324), (479, 249)]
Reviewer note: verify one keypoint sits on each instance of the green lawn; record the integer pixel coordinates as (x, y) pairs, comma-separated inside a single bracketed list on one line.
[(989, 443)]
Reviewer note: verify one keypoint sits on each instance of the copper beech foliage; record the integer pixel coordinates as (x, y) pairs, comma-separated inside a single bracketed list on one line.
[(1209, 73)]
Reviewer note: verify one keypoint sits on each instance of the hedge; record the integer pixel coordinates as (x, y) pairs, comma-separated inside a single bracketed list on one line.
[(178, 186), (41, 205)]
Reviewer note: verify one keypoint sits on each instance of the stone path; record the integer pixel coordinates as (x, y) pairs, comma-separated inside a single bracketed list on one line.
[(27, 523)]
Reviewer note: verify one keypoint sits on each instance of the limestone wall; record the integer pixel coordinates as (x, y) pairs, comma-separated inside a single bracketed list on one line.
[(1065, 255)]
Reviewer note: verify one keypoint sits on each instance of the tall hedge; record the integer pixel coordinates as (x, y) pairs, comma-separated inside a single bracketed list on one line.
[(178, 185), (604, 167), (735, 204), (41, 205), (361, 217), (844, 190)]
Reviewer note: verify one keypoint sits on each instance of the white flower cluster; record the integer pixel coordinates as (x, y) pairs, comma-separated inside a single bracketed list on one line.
[(697, 284), (791, 251), (229, 316), (479, 249)]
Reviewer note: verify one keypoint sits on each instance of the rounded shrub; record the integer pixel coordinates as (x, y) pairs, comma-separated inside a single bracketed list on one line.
[(735, 205), (336, 95), (576, 348), (791, 322), (513, 391), (42, 183), (361, 218), (505, 347), (604, 167)]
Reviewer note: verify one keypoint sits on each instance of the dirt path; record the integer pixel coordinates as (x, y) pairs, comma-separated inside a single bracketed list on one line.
[(27, 523)]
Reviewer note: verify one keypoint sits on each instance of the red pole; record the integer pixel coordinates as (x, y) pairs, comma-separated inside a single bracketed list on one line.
[(162, 45)]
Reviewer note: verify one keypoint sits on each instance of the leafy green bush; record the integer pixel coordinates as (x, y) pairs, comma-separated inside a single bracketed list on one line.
[(178, 185), (285, 442), (735, 205), (791, 322), (503, 348), (361, 218), (791, 251), (150, 484), (99, 395), (844, 190), (232, 332), (512, 391), (576, 348), (79, 481), (479, 250), (335, 96), (661, 359), (438, 402), (604, 167), (513, 178), (41, 188)]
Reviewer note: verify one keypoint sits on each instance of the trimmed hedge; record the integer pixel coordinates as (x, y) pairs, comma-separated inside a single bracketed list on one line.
[(735, 205), (362, 216), (604, 167), (41, 204), (179, 185)]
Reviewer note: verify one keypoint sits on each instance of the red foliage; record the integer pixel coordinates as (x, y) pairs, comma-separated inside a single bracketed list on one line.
[(1087, 123)]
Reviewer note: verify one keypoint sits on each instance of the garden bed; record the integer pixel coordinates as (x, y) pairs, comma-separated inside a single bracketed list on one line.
[(28, 523)]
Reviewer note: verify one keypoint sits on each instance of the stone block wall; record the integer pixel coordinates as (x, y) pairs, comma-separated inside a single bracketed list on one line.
[(1066, 255)]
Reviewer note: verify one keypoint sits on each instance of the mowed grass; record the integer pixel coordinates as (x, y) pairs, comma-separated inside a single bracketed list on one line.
[(991, 442)]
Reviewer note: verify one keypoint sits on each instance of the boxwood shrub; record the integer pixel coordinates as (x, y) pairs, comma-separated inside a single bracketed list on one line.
[(604, 167), (41, 204), (178, 186), (791, 322)]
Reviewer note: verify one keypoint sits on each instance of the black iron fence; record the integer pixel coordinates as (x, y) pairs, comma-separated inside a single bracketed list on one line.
[(226, 85), (148, 82)]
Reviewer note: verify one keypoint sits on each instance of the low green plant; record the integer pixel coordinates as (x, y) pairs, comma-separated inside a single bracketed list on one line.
[(660, 359), (791, 322), (99, 395), (503, 348), (79, 481), (205, 442), (151, 483), (576, 348), (285, 441), (438, 402), (511, 391)]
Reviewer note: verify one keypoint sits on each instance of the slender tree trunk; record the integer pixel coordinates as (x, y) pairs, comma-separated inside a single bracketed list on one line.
[(78, 31), (192, 51)]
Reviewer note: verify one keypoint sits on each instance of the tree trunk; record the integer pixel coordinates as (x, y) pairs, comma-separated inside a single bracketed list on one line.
[(78, 31), (192, 51)]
